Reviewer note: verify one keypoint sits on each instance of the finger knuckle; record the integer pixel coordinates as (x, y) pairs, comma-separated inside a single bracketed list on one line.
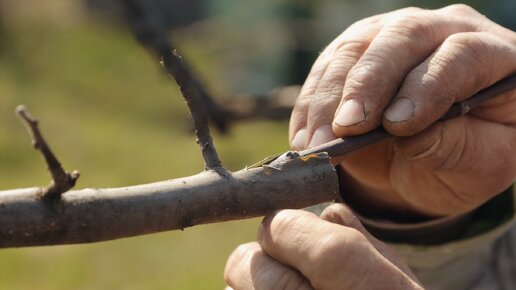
[(411, 27), (240, 253), (236, 258), (366, 71), (471, 49), (410, 10), (340, 214), (302, 101), (469, 43), (346, 55), (324, 106), (286, 219), (336, 253), (429, 81), (363, 82), (353, 47), (291, 281), (337, 249), (460, 8)]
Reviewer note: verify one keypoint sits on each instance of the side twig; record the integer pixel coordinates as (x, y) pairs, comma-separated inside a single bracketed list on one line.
[(149, 32), (61, 180), (173, 65)]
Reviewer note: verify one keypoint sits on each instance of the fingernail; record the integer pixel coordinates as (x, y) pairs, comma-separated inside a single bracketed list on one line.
[(322, 135), (351, 112), (401, 110), (299, 140)]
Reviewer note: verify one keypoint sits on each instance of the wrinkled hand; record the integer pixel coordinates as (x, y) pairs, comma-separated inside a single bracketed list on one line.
[(298, 250), (403, 70)]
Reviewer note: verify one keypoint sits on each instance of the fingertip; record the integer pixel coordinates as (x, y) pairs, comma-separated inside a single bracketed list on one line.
[(322, 135), (400, 118), (401, 110), (356, 116), (350, 113), (300, 139)]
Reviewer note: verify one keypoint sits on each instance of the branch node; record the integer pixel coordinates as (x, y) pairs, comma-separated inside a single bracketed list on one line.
[(61, 181)]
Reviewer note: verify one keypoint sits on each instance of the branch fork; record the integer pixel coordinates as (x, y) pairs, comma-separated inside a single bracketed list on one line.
[(62, 181)]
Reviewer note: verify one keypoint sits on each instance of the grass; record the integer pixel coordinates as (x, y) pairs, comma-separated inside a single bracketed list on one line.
[(107, 110)]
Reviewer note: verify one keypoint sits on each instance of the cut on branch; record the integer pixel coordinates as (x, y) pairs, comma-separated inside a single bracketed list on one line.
[(61, 181)]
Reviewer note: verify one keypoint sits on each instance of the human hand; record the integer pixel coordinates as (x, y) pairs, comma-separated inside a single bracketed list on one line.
[(403, 70), (298, 250)]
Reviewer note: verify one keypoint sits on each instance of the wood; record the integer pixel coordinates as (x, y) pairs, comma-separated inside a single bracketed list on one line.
[(61, 180), (92, 215)]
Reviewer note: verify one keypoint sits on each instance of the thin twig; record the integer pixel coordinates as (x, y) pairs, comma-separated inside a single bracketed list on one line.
[(149, 32), (61, 180), (174, 66), (276, 104)]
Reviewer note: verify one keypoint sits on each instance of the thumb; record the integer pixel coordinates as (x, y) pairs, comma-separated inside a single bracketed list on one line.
[(468, 159)]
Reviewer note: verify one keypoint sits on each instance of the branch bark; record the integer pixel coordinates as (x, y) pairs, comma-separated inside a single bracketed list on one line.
[(92, 215), (174, 66)]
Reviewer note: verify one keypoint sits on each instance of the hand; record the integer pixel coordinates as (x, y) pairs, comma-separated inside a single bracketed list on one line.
[(403, 70), (298, 250)]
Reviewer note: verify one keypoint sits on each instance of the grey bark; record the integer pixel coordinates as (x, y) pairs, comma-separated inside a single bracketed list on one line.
[(92, 215)]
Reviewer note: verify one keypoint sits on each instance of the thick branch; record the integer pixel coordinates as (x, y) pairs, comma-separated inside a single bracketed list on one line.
[(92, 215), (61, 180)]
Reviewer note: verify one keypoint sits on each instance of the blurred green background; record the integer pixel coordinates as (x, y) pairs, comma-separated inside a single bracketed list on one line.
[(107, 110)]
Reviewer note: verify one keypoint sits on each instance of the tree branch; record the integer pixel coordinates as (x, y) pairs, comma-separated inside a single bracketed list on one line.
[(174, 66), (276, 104), (61, 180), (149, 32), (92, 215)]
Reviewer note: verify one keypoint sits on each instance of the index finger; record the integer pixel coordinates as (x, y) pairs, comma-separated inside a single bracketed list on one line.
[(361, 32), (404, 42)]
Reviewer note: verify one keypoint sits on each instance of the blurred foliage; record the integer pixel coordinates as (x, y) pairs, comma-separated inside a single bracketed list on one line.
[(107, 110)]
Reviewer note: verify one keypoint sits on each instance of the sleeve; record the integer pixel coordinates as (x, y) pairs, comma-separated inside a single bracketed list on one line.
[(472, 251)]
